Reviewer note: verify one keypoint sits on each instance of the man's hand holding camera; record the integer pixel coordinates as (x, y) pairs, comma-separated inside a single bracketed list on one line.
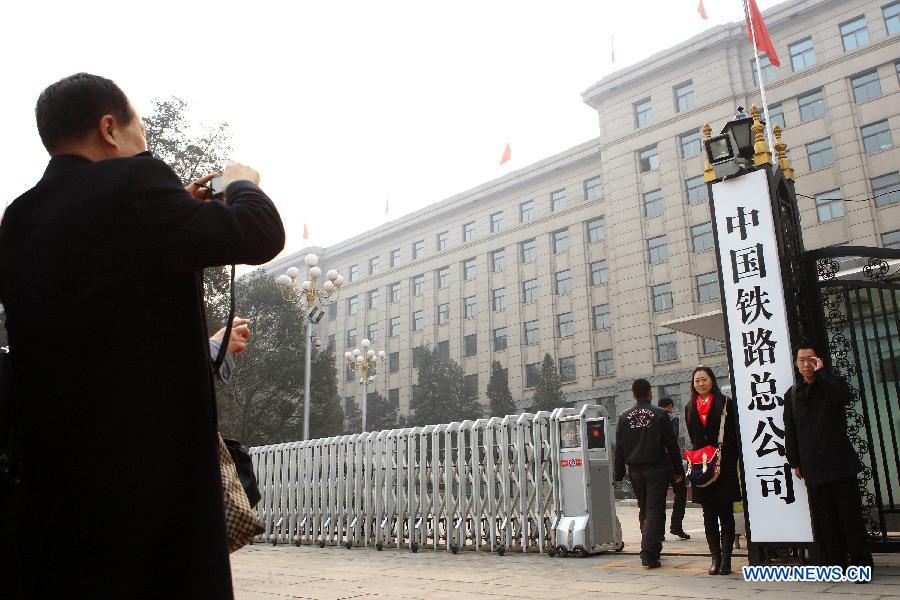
[(213, 186)]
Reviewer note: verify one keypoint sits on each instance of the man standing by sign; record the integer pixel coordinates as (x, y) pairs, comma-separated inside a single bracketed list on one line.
[(676, 525), (820, 452)]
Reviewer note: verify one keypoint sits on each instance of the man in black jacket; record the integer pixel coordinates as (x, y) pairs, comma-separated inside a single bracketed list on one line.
[(645, 442), (100, 262), (676, 525), (819, 450)]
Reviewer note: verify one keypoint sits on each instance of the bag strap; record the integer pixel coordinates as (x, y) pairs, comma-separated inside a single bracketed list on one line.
[(223, 348), (722, 423)]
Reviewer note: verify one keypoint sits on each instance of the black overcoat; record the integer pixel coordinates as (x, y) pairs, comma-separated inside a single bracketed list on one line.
[(727, 486), (121, 493)]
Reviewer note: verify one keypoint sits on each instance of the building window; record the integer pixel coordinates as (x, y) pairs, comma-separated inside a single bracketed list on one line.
[(854, 34), (690, 144), (418, 249), (560, 241), (711, 346), (696, 190), (593, 190), (349, 402), (372, 332), (643, 113), (332, 311), (653, 203), (662, 296), (443, 314), (563, 282), (567, 369), (532, 374), (776, 115), (649, 159), (866, 86), (886, 189), (500, 339), (603, 363), (471, 384), (469, 269), (708, 287), (443, 239), (354, 273), (394, 397), (531, 332), (658, 249), (443, 349), (469, 232), (767, 68), (877, 136), (496, 222), (352, 305), (373, 265), (394, 327), (666, 347), (526, 211), (558, 200), (684, 96), (499, 299), (529, 251), (372, 299), (891, 14), (529, 291), (599, 272), (891, 239), (596, 230), (417, 353), (702, 237), (394, 362), (395, 257), (394, 293), (829, 206), (471, 344), (418, 285), (470, 307), (602, 318), (497, 260), (418, 320), (802, 54), (349, 374), (820, 154), (443, 277), (811, 105), (565, 326), (351, 337), (332, 342)]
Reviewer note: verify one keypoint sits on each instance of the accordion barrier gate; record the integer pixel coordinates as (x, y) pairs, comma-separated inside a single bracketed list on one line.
[(489, 484)]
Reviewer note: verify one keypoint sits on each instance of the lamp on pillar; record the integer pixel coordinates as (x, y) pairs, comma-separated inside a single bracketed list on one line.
[(733, 150)]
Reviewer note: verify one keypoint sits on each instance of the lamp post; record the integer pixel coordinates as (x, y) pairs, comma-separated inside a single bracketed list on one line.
[(308, 293), (366, 362)]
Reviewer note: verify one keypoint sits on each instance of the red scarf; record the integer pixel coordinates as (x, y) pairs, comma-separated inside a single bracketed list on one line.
[(703, 406)]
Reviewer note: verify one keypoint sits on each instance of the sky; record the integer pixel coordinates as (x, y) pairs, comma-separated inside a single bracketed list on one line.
[(344, 105)]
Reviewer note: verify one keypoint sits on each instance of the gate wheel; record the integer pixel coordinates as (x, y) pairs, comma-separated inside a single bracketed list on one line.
[(379, 546), (619, 546), (580, 552), (348, 545), (321, 543), (454, 548), (501, 551), (414, 547), (297, 543), (561, 551)]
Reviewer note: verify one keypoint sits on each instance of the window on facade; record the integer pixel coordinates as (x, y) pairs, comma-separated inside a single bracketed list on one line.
[(603, 363), (468, 232), (529, 251), (352, 305), (854, 34), (673, 391), (558, 200), (891, 14), (418, 249), (532, 374), (776, 115), (332, 342), (470, 307), (496, 222), (662, 296), (500, 339), (469, 269), (394, 397), (443, 349), (768, 70), (443, 314), (643, 113), (563, 282), (891, 239), (866, 86), (696, 190), (349, 374), (526, 211), (666, 347), (567, 369), (373, 265), (684, 96), (560, 241), (394, 362), (565, 326), (417, 353), (820, 154), (802, 54), (701, 237), (332, 311), (886, 189), (351, 338), (497, 257), (443, 239), (653, 203), (829, 206), (354, 273), (877, 136), (599, 272), (372, 299), (394, 327), (500, 299), (394, 293), (690, 144), (372, 332), (811, 105), (708, 287), (529, 291), (395, 257), (602, 318), (349, 402), (596, 231), (471, 384), (593, 190), (418, 320), (443, 277), (711, 346), (531, 332), (471, 344), (418, 285), (657, 249), (648, 159)]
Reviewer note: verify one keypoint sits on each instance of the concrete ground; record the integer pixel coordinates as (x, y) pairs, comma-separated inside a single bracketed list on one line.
[(262, 572)]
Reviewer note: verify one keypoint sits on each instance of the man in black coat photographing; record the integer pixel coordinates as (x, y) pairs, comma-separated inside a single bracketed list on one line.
[(100, 277)]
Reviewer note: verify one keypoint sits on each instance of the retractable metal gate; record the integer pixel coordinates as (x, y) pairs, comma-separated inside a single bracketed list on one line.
[(487, 484)]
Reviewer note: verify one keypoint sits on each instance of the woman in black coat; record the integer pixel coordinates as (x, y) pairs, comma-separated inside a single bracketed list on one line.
[(702, 417)]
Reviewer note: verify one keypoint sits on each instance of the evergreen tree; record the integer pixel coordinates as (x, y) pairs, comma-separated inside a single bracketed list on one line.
[(548, 394), (380, 415), (501, 400), (326, 417), (442, 395)]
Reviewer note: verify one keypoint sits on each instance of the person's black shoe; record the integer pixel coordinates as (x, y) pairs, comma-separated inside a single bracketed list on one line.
[(680, 533), (725, 564), (651, 564), (714, 567)]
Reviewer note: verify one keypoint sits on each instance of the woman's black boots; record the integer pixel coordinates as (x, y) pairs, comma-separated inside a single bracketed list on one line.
[(715, 549), (727, 546)]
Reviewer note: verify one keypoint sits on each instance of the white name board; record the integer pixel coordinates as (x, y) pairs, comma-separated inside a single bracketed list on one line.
[(762, 361)]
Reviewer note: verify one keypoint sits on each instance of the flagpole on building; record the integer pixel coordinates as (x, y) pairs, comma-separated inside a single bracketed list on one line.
[(759, 77)]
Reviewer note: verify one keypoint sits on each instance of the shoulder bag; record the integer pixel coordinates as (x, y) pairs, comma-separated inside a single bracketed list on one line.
[(704, 464)]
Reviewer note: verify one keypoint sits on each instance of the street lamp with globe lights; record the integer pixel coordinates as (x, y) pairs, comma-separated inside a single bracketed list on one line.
[(308, 292), (366, 362)]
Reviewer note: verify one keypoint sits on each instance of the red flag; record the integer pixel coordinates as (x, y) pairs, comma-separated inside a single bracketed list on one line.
[(305, 232), (507, 154), (763, 41), (702, 11)]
